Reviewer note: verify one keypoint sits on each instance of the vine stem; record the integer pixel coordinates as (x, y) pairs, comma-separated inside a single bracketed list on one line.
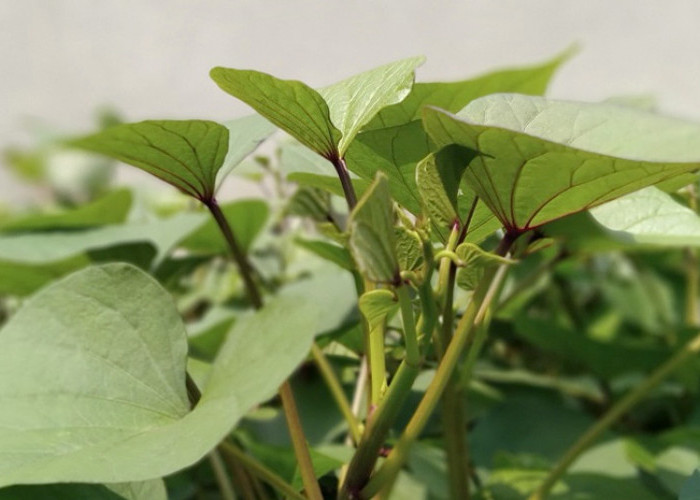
[(473, 316), (313, 491), (614, 414), (221, 476)]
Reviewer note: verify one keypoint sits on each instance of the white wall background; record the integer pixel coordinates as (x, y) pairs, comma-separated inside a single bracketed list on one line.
[(61, 59)]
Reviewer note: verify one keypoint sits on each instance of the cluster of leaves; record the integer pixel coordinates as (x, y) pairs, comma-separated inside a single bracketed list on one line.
[(507, 266)]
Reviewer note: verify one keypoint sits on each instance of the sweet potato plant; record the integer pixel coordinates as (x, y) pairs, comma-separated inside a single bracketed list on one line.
[(446, 291)]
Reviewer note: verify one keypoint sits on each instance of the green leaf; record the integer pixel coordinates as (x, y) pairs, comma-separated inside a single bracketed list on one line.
[(372, 240), (244, 136), (329, 251), (187, 154), (691, 488), (92, 382), (293, 106), (541, 159), (438, 177), (453, 96), (110, 209), (409, 248), (29, 261), (246, 218), (476, 261), (355, 101), (328, 183), (376, 305), (395, 152), (145, 490), (649, 217), (328, 120)]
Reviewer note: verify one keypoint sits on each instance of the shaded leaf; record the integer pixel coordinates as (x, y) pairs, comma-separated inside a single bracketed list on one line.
[(146, 490), (691, 488), (372, 241), (133, 421), (186, 154), (244, 136), (109, 209), (376, 305), (476, 260), (246, 218), (329, 251), (541, 159), (328, 183)]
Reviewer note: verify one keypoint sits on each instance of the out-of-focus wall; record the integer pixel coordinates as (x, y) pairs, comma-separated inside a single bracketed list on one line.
[(61, 59)]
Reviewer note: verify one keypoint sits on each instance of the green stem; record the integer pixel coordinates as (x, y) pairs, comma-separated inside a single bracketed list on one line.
[(377, 363), (692, 314), (473, 316), (614, 414), (289, 406), (260, 471), (296, 433), (378, 425), (337, 391), (221, 476), (409, 326)]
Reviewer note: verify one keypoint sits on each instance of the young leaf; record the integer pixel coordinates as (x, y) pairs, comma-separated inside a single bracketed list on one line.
[(376, 305), (88, 372), (372, 240), (438, 178), (476, 261), (327, 120), (540, 159), (293, 106), (356, 100), (187, 154), (244, 136), (409, 248), (453, 96)]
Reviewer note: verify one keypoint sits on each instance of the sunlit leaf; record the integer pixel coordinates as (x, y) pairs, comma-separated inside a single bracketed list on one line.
[(187, 154), (541, 159)]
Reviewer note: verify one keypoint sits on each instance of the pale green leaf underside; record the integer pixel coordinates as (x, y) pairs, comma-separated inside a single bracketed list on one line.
[(184, 153), (292, 105), (354, 101), (244, 136), (372, 239), (649, 217), (375, 305), (541, 159), (453, 96), (118, 411)]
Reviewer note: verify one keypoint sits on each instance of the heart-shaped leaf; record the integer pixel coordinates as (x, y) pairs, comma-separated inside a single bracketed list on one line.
[(372, 240), (185, 153), (541, 159), (376, 305), (92, 375), (327, 120), (244, 136)]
